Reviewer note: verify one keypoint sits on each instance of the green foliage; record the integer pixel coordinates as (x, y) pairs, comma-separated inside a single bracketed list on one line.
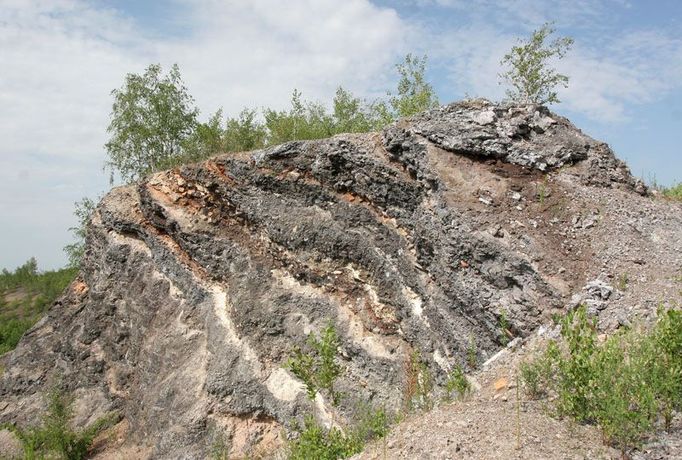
[(206, 140), (623, 401), (220, 448), (419, 383), (457, 382), (25, 294), (154, 122), (54, 438), (472, 353), (577, 370), (353, 115), (623, 384), (244, 133), (315, 441), (316, 366), (371, 424), (503, 328), (302, 365), (542, 191), (304, 120), (537, 375), (11, 332), (21, 276), (415, 94), (623, 280), (531, 78), (310, 120), (674, 192), (667, 338), (151, 119), (83, 212)]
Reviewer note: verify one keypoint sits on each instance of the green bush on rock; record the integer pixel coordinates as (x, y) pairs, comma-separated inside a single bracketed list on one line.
[(622, 384)]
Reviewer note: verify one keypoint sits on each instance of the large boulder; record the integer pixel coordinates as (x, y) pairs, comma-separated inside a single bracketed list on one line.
[(198, 283)]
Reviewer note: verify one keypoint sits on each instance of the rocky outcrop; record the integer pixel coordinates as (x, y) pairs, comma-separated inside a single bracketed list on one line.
[(198, 283)]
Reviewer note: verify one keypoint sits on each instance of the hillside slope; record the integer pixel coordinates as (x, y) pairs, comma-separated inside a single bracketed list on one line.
[(198, 283)]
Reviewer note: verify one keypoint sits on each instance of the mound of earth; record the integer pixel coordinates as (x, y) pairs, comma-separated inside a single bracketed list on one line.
[(198, 283)]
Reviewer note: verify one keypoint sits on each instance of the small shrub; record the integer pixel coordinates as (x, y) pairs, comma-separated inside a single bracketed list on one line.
[(472, 353), (674, 192), (457, 383), (302, 365), (504, 328), (623, 402), (622, 384), (577, 369), (537, 375), (667, 373), (220, 447), (317, 442), (54, 436), (317, 366), (530, 376), (371, 424), (542, 192), (419, 383), (556, 318)]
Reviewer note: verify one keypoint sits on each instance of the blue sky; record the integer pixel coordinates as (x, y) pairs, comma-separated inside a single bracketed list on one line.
[(60, 59)]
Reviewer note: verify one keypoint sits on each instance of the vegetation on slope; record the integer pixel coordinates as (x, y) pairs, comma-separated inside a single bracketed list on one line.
[(154, 122), (317, 366), (629, 383), (25, 294), (54, 437), (674, 192)]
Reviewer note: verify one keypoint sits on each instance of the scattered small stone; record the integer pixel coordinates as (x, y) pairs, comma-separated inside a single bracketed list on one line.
[(589, 222), (598, 289), (501, 383), (623, 320)]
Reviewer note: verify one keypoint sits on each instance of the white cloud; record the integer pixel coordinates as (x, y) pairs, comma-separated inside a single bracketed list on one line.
[(627, 70), (59, 61), (61, 58), (254, 53), (611, 70), (531, 14)]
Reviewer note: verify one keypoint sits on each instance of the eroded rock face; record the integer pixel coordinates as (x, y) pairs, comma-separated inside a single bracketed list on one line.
[(198, 283)]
